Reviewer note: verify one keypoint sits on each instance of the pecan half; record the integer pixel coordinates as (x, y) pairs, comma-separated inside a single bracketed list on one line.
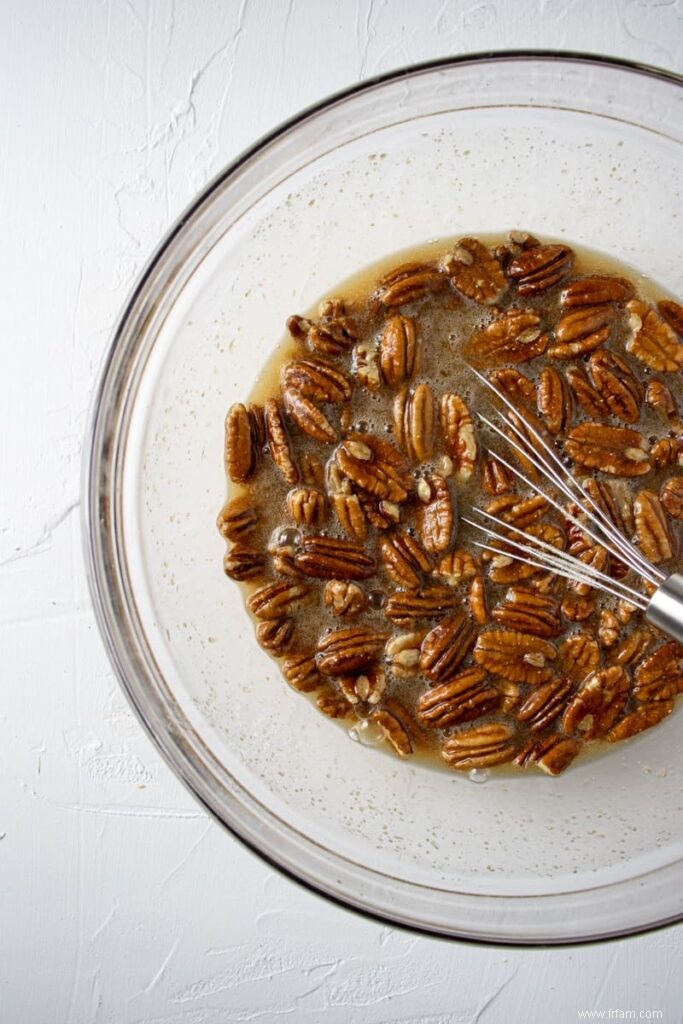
[(344, 598), (539, 268), (608, 628), (578, 607), (435, 515), (332, 335), (618, 451), (366, 688), (334, 705), (643, 718), (519, 657), (661, 670), (399, 350), (405, 607), (512, 384), (544, 704), (275, 600), (394, 731), (598, 703), (345, 651), (402, 654), (582, 330), (590, 400), (496, 478), (595, 290), (456, 567), (415, 421), (525, 611), (614, 500), (653, 341), (467, 696), (306, 506), (275, 635), (631, 648), (330, 558), (459, 435), (520, 512), (476, 272), (318, 380), (672, 313), (446, 646), (515, 336), (405, 560), (278, 442), (552, 754), (301, 672), (237, 518), (659, 398), (365, 366), (476, 598), (671, 497), (409, 282), (375, 465), (554, 400), (244, 436), (308, 417), (667, 452), (480, 746), (654, 537), (613, 378), (242, 562)]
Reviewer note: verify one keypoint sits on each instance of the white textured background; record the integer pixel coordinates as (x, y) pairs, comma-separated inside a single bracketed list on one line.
[(121, 901)]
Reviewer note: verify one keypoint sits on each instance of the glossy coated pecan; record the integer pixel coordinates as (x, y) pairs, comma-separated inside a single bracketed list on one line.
[(237, 518), (671, 497), (366, 688), (476, 272), (539, 268), (330, 558), (318, 380), (554, 400), (301, 672), (345, 651), (242, 562), (399, 350), (332, 335), (405, 607), (409, 282), (582, 330), (467, 696), (652, 340), (652, 529), (598, 703), (672, 313), (308, 417), (394, 730), (590, 400), (276, 600), (519, 657), (618, 451), (275, 635), (278, 442), (435, 515), (515, 336), (306, 506), (415, 421), (480, 746), (459, 436), (545, 704), (344, 598), (595, 290), (526, 611), (402, 653), (446, 646), (644, 717), (552, 754), (662, 668), (365, 366), (244, 437), (613, 378), (405, 560), (375, 465)]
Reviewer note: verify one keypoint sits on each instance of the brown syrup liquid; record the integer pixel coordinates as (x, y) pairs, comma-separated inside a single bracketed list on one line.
[(445, 328)]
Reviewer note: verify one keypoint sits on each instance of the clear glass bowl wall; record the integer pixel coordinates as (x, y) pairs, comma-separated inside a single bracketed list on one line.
[(562, 146)]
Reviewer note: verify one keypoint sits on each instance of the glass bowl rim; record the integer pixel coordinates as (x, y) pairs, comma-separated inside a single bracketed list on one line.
[(97, 466)]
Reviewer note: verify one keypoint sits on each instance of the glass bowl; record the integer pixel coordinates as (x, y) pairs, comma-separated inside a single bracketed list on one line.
[(562, 145)]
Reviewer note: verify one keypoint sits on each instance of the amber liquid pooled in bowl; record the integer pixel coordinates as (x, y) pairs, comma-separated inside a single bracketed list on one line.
[(358, 447)]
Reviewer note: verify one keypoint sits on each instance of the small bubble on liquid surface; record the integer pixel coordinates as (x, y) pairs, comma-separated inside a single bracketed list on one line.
[(478, 775), (289, 537), (366, 733), (377, 599)]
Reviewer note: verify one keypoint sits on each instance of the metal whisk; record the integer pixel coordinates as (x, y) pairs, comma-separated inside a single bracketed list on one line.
[(664, 609)]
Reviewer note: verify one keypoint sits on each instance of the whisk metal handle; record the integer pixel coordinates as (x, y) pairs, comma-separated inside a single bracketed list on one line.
[(665, 609)]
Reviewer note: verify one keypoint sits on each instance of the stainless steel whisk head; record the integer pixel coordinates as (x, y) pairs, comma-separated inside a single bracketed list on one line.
[(663, 609)]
